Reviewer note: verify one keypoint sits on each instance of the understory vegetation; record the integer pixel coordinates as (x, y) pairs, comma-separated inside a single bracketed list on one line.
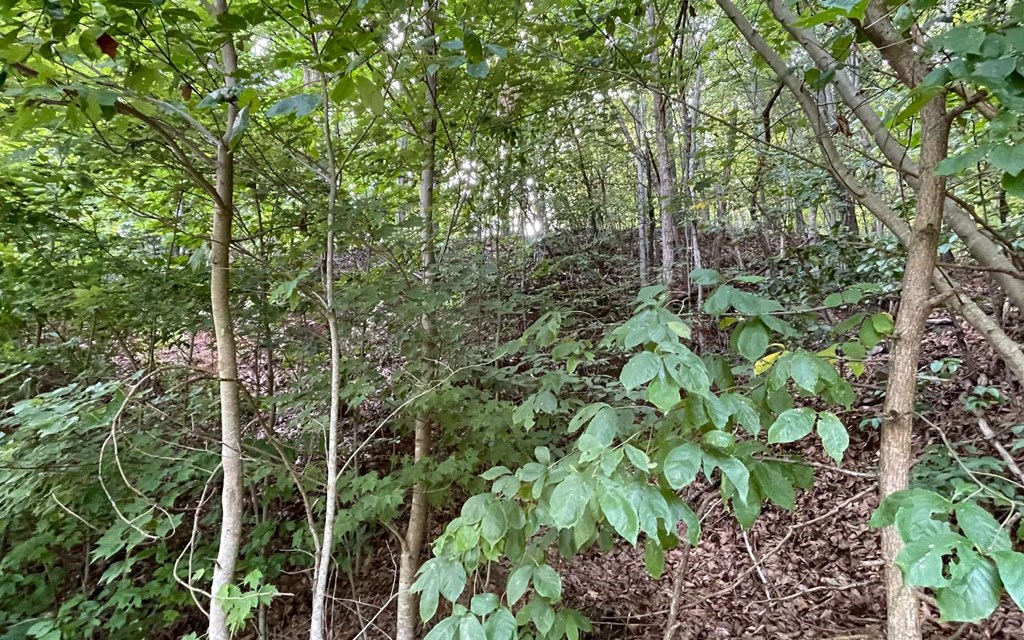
[(511, 320)]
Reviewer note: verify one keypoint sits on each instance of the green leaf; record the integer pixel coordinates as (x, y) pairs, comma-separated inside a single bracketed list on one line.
[(497, 50), (444, 630), (547, 583), (518, 581), (483, 604), (494, 524), (752, 340), (1011, 573), (495, 472), (471, 629), (681, 465), (966, 159), (706, 277), (922, 561), (601, 432), (834, 437), (343, 89), (654, 559), (641, 369), (478, 70), (299, 106), (791, 425), (370, 95), (803, 368), (981, 528), (680, 329), (501, 625), (639, 459), (663, 393), (962, 40), (883, 324), (1008, 158), (568, 501), (737, 473), (973, 592), (721, 440), (652, 507), (833, 300), (237, 131), (774, 485), (543, 615), (618, 510)]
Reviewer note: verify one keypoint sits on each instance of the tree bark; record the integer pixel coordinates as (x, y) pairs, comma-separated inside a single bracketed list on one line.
[(902, 620), (412, 545), (322, 569), (665, 162), (227, 357)]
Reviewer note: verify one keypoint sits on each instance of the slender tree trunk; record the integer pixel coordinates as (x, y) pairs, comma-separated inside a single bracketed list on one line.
[(322, 569), (666, 164), (902, 618), (415, 533), (227, 357), (643, 191)]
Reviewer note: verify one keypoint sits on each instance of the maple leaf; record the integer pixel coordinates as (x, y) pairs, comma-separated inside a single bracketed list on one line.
[(107, 45)]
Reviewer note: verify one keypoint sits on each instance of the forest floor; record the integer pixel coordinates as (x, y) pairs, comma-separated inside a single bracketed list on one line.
[(815, 572)]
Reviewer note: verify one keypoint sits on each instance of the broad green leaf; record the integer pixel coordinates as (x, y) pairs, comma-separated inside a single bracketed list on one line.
[(654, 559), (883, 323), (681, 465), (981, 528), (834, 437), (1011, 573), (600, 433), (804, 370), (618, 510), (547, 583), (791, 425), (501, 625), (663, 393), (370, 95), (774, 485), (652, 508), (922, 560), (973, 592), (494, 524), (752, 340), (299, 105), (483, 604), (637, 456), (737, 473), (471, 629), (568, 501), (518, 581), (640, 369), (961, 40), (444, 630), (706, 277), (478, 70), (1008, 158)]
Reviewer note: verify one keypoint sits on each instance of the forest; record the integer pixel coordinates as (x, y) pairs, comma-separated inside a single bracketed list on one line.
[(511, 320)]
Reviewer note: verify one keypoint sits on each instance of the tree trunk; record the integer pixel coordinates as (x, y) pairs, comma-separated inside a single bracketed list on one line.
[(322, 568), (412, 545), (227, 357), (666, 164)]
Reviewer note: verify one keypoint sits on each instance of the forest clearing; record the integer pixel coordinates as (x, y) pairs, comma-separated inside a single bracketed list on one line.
[(511, 320)]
